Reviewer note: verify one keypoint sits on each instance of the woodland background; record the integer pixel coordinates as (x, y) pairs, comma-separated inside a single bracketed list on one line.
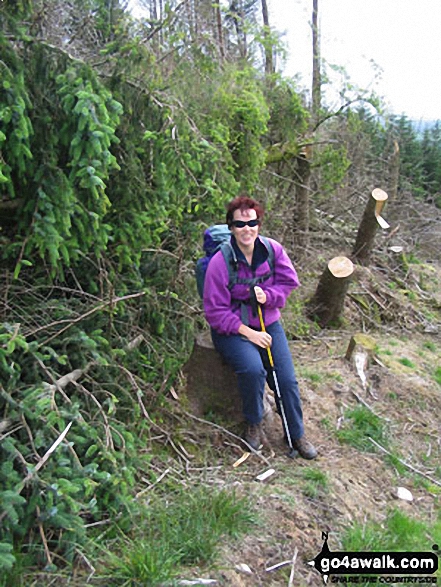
[(121, 140)]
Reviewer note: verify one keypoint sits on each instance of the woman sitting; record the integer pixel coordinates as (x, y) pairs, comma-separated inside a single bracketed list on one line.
[(235, 326)]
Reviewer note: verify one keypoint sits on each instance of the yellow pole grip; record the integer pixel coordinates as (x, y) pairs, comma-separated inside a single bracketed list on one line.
[(262, 327)]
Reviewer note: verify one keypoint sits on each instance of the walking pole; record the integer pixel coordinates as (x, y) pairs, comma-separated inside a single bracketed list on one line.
[(292, 452)]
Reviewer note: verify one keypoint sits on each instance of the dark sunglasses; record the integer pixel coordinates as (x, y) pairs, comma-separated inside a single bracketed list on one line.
[(242, 223)]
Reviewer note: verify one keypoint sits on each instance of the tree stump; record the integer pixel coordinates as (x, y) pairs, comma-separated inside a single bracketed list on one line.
[(211, 384), (369, 224), (327, 304), (359, 353)]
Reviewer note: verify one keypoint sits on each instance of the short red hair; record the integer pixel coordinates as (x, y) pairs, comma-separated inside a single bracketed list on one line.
[(243, 203)]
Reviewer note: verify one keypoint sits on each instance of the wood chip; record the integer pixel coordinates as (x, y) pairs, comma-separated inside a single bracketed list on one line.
[(173, 393), (405, 494), (242, 459), (198, 582), (265, 475), (278, 566), (243, 568)]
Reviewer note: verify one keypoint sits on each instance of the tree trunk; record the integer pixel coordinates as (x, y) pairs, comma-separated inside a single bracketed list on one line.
[(211, 384), (301, 225), (359, 353), (220, 35), (316, 77), (238, 14), (327, 304), (269, 68), (394, 174), (368, 227)]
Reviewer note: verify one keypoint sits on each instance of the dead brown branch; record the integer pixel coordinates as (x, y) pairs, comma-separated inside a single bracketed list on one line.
[(70, 322)]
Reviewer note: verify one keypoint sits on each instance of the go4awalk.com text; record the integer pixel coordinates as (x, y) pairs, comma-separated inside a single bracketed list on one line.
[(377, 567)]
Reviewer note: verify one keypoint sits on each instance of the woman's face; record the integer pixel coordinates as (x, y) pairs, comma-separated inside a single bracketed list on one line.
[(245, 236)]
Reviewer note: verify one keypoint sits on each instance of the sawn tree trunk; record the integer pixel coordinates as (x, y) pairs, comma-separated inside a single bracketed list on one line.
[(326, 307), (369, 224)]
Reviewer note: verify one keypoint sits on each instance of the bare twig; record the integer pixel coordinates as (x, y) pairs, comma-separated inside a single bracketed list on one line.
[(88, 563), (71, 377), (409, 466), (43, 538), (158, 480), (227, 432), (146, 415), (109, 439), (13, 431), (70, 323), (278, 566), (133, 344), (366, 405), (293, 565), (44, 459), (162, 252), (40, 464)]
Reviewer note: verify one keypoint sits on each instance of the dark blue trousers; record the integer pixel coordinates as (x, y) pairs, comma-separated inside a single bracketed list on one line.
[(251, 365)]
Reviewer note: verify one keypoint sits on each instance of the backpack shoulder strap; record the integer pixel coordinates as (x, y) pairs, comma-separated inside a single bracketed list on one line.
[(270, 248), (232, 264), (230, 261)]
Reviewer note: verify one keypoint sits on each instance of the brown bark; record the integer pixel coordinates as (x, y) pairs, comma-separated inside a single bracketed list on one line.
[(394, 175), (220, 35), (368, 227), (269, 68), (302, 200), (211, 385), (316, 77), (360, 353), (326, 307), (394, 172), (360, 343)]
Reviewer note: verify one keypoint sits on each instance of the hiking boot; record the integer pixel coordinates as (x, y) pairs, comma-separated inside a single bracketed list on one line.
[(253, 435), (305, 448)]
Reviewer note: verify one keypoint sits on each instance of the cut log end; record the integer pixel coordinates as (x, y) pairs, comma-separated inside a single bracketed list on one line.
[(341, 267), (361, 342), (379, 195)]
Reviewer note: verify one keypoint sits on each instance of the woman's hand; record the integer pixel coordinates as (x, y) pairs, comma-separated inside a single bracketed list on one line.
[(260, 294), (262, 339)]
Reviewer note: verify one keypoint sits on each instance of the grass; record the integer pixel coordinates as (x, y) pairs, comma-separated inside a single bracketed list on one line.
[(178, 531), (312, 376), (437, 375), (316, 482), (398, 533), (360, 424), (407, 362)]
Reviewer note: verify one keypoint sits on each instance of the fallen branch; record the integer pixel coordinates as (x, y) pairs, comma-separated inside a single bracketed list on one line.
[(146, 415), (197, 582), (133, 344), (45, 458), (225, 431), (366, 405), (291, 577), (43, 538), (278, 566), (412, 468), (70, 323), (158, 480), (40, 464), (71, 377)]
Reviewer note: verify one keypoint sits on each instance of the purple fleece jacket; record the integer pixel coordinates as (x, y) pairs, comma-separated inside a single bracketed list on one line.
[(223, 314)]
